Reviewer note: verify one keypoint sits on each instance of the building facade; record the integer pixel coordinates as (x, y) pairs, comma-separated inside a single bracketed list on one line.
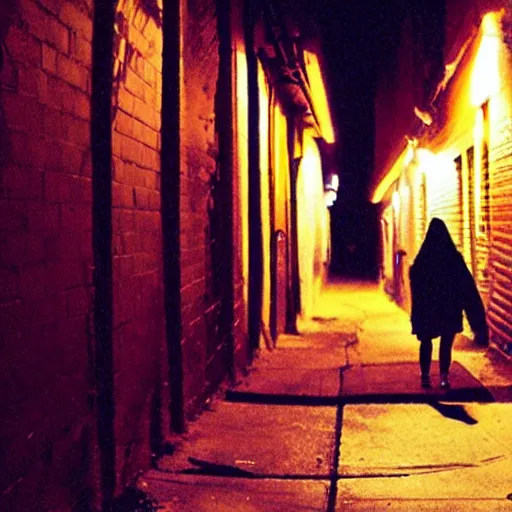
[(450, 157), (162, 217)]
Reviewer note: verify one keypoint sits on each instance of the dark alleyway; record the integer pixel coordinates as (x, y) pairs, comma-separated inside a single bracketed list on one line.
[(335, 419)]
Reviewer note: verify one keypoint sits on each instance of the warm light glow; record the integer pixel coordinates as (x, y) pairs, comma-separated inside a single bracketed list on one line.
[(396, 202), (426, 160), (242, 159), (333, 183), (389, 178), (319, 96), (263, 93), (312, 222), (478, 137), (330, 198), (485, 78)]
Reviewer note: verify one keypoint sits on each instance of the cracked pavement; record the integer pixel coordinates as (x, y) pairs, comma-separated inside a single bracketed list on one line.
[(335, 419)]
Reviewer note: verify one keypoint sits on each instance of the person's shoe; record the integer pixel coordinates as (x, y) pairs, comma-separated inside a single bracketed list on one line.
[(445, 383), (425, 381)]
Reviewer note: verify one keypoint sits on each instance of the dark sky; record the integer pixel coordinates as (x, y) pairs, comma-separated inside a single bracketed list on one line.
[(358, 38)]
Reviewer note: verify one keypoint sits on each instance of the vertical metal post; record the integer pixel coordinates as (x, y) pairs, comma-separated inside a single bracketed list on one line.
[(225, 119), (101, 151), (170, 205), (255, 226)]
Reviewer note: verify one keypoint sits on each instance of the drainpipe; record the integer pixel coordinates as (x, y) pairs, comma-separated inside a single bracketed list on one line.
[(170, 206), (101, 154), (224, 122), (255, 226), (294, 300)]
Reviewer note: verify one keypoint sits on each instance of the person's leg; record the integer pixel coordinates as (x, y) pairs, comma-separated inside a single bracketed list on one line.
[(445, 357), (425, 361)]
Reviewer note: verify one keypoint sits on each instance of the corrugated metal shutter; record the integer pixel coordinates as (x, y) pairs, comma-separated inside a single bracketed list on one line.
[(500, 296), (420, 212), (444, 199)]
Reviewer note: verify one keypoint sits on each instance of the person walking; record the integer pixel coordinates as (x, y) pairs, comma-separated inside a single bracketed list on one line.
[(442, 287)]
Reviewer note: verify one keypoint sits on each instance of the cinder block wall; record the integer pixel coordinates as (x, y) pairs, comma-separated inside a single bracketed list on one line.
[(47, 426)]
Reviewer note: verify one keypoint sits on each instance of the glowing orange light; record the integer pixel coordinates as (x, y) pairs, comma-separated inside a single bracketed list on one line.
[(485, 78), (319, 94)]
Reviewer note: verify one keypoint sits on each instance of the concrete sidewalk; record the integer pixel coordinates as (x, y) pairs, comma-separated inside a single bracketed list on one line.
[(335, 419)]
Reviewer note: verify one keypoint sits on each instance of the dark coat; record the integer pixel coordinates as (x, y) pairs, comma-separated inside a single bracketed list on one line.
[(442, 288)]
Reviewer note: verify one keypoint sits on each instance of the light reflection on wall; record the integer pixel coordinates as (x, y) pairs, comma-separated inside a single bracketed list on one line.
[(320, 100), (485, 77), (263, 89), (312, 219), (241, 137)]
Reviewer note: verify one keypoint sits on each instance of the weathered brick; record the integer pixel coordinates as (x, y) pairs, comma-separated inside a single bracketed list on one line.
[(51, 5), (55, 190), (130, 172), (76, 218), (23, 47), (35, 283), (151, 179), (9, 284), (72, 156), (81, 50), (45, 26), (131, 149), (58, 35), (86, 163), (72, 72), (124, 123), (150, 158), (122, 195), (49, 59), (123, 220), (77, 301), (130, 243), (55, 92), (42, 217), (135, 85), (79, 131), (141, 198), (10, 315), (144, 114), (13, 215), (126, 101), (51, 156), (124, 310), (76, 19), (23, 112), (122, 266), (53, 124), (27, 81), (116, 146), (68, 246), (22, 183), (142, 262), (82, 106)]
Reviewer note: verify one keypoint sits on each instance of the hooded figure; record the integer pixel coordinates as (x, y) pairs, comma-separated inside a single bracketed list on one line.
[(442, 288)]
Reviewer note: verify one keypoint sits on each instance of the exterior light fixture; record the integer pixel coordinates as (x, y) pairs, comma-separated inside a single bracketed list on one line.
[(331, 190)]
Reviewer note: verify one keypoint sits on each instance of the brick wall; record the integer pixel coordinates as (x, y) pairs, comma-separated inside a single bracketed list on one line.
[(138, 339), (45, 254), (200, 208)]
